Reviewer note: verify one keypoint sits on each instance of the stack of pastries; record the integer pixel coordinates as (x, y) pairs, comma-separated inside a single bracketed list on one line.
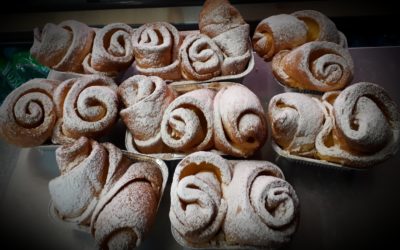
[(230, 119), (306, 49), (357, 127), (101, 190), (216, 203)]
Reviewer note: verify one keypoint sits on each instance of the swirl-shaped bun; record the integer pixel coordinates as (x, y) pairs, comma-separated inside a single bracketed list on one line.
[(156, 46), (296, 119), (240, 124), (124, 215), (64, 46), (187, 124), (201, 59), (198, 207), (86, 167), (28, 115), (88, 106), (278, 32), (362, 126), (319, 65), (145, 99), (262, 204), (112, 50), (320, 27)]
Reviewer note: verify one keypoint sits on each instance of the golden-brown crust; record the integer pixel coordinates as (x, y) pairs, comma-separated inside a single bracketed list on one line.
[(28, 114), (319, 65), (64, 46)]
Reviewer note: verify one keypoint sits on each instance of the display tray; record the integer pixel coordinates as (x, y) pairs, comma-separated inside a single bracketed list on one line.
[(338, 209)]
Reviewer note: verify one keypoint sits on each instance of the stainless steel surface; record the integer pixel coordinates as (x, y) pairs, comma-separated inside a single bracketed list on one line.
[(339, 209)]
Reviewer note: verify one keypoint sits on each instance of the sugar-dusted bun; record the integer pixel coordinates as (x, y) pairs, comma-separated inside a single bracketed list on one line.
[(28, 115), (112, 50), (362, 126), (125, 213), (223, 23), (278, 32), (64, 46), (201, 59), (218, 16), (262, 207), (155, 46), (88, 106), (187, 124), (296, 119), (240, 124), (87, 168), (198, 206), (320, 27), (319, 65), (145, 99)]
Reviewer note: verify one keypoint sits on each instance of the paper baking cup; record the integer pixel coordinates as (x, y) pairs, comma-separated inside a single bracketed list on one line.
[(57, 218), (305, 161)]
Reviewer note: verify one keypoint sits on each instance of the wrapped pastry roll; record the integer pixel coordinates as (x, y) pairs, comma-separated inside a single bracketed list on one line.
[(240, 124), (320, 66), (28, 114), (187, 124), (296, 119), (112, 50), (361, 128), (145, 99), (88, 106), (198, 207), (64, 46)]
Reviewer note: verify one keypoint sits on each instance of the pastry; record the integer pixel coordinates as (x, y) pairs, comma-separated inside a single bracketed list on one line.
[(125, 214), (320, 27), (217, 203), (64, 46), (86, 168), (198, 207), (223, 23), (145, 99), (296, 119), (88, 106), (112, 50), (155, 46), (201, 59), (262, 207), (319, 66), (187, 124), (240, 124), (28, 115), (278, 32), (362, 126)]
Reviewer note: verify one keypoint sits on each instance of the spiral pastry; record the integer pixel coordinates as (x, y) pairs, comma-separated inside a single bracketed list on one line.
[(198, 206), (187, 124), (278, 32), (155, 46), (361, 128), (87, 168), (296, 119), (320, 27), (112, 50), (125, 213), (88, 106), (262, 204), (320, 65), (28, 115), (145, 99), (64, 46), (240, 124), (200, 57)]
